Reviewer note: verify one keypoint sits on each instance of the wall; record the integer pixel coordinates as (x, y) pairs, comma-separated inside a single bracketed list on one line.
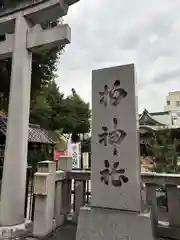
[(173, 105), (174, 99)]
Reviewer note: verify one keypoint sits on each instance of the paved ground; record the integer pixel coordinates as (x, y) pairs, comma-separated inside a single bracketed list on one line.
[(67, 232)]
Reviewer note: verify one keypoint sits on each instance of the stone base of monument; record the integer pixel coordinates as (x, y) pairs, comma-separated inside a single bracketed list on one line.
[(19, 231), (107, 224)]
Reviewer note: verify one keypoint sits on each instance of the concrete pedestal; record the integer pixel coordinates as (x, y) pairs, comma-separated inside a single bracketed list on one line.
[(106, 224), (60, 218), (17, 231), (44, 190), (65, 164)]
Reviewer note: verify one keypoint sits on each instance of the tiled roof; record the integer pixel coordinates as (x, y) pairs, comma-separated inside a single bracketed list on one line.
[(159, 118), (36, 134), (162, 117)]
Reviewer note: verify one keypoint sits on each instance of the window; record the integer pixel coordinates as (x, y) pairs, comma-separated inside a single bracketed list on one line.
[(168, 102), (178, 103)]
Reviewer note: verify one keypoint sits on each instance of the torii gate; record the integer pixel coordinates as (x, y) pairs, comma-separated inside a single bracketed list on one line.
[(24, 36)]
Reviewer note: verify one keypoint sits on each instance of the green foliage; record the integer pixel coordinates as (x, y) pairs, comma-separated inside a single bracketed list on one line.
[(53, 111), (78, 113), (49, 108), (164, 150), (43, 67), (5, 72)]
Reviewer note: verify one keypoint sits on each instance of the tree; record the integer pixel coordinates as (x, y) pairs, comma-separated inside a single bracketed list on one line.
[(164, 150), (43, 67), (53, 111), (5, 71), (45, 107), (76, 120), (49, 108)]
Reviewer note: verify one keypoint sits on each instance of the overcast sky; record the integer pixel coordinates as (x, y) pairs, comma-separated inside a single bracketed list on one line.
[(115, 32)]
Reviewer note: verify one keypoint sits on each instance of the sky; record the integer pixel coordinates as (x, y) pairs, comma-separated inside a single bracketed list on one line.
[(108, 33)]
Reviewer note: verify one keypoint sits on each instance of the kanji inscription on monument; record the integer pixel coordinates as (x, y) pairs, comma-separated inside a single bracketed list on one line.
[(106, 173), (114, 95), (115, 144), (114, 137)]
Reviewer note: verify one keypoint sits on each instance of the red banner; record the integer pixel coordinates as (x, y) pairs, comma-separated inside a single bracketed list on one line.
[(57, 155)]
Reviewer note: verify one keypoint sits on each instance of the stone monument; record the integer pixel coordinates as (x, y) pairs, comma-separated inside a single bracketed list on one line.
[(115, 211), (24, 36)]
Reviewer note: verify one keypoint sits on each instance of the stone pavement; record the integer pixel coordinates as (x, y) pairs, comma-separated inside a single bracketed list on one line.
[(68, 232)]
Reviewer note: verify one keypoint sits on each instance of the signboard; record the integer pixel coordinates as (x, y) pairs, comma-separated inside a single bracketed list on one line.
[(76, 155), (57, 154), (176, 118), (74, 151)]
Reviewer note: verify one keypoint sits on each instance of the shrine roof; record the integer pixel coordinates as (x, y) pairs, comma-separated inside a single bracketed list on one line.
[(155, 118), (36, 133)]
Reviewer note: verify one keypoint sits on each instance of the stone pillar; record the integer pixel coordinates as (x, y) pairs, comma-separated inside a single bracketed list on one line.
[(66, 194), (116, 188), (79, 191), (44, 190), (65, 163), (15, 163), (58, 213)]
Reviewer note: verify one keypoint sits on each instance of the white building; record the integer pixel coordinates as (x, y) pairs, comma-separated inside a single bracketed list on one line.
[(173, 106), (173, 102)]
